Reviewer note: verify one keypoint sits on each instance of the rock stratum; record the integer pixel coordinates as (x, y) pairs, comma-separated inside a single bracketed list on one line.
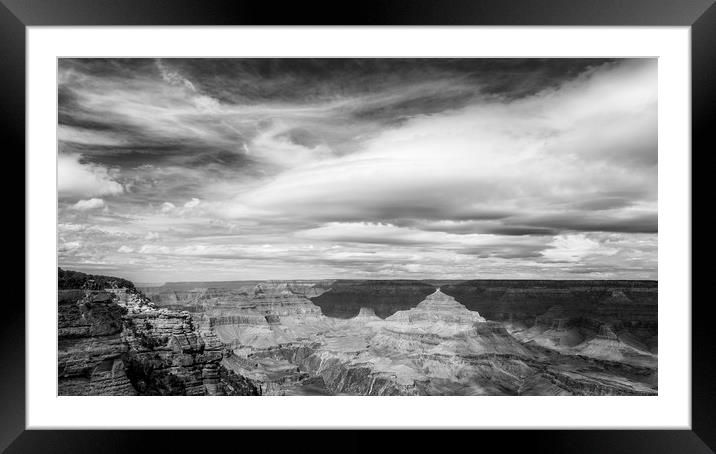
[(113, 341), (356, 337), (428, 337)]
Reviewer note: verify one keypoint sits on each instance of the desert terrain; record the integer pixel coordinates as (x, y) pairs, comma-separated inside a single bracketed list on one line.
[(357, 337)]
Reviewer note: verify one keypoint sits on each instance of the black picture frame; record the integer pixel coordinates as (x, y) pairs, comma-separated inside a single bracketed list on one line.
[(16, 15)]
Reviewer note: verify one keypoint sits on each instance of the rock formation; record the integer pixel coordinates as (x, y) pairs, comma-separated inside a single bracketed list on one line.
[(437, 308), (385, 297), (360, 338), (91, 351), (630, 307), (438, 347), (115, 342), (367, 314)]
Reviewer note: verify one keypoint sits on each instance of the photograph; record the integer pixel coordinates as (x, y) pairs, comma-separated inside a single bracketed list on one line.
[(373, 226)]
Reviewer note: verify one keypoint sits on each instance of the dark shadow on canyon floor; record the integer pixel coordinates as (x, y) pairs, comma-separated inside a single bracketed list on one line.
[(357, 337)]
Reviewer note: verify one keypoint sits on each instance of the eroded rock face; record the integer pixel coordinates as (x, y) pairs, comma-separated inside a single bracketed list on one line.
[(367, 314), (276, 297), (168, 355), (613, 338), (115, 342), (438, 347), (383, 338), (630, 307), (346, 297), (437, 308), (91, 351)]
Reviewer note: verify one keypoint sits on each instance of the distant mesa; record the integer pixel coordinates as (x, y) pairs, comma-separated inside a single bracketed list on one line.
[(344, 298), (357, 337), (438, 307)]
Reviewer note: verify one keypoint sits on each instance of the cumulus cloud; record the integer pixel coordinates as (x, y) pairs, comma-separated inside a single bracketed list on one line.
[(75, 179), (192, 203), (89, 204), (575, 247)]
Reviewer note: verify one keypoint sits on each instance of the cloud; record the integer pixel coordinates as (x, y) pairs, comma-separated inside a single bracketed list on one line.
[(89, 204), (573, 248), (374, 233), (173, 77), (69, 246), (167, 207), (533, 159), (444, 244), (84, 136), (154, 249), (630, 222), (434, 168), (75, 179)]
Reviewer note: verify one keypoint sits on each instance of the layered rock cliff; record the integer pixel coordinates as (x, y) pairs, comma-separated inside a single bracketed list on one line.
[(345, 298), (438, 347), (113, 341), (498, 298), (437, 308), (367, 314), (360, 338), (91, 351), (577, 308), (202, 296)]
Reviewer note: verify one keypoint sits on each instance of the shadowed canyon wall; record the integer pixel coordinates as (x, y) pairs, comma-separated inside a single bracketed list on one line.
[(345, 298), (358, 337), (630, 307)]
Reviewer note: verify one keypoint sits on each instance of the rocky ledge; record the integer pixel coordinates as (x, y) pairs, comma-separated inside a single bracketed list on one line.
[(113, 341), (382, 338)]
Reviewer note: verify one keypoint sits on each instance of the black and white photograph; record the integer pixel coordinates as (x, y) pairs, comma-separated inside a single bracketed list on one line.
[(357, 227)]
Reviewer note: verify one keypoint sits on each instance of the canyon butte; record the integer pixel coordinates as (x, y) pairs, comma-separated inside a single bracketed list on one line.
[(356, 337)]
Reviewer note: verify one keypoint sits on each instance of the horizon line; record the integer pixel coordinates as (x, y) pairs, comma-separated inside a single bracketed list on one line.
[(392, 279)]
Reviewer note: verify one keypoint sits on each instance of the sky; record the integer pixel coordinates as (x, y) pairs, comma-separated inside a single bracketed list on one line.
[(233, 169)]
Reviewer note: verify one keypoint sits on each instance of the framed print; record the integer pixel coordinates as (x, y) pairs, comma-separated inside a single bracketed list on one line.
[(243, 220)]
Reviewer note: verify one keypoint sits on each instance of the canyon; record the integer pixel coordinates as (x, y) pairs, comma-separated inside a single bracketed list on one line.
[(359, 337), (113, 341)]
